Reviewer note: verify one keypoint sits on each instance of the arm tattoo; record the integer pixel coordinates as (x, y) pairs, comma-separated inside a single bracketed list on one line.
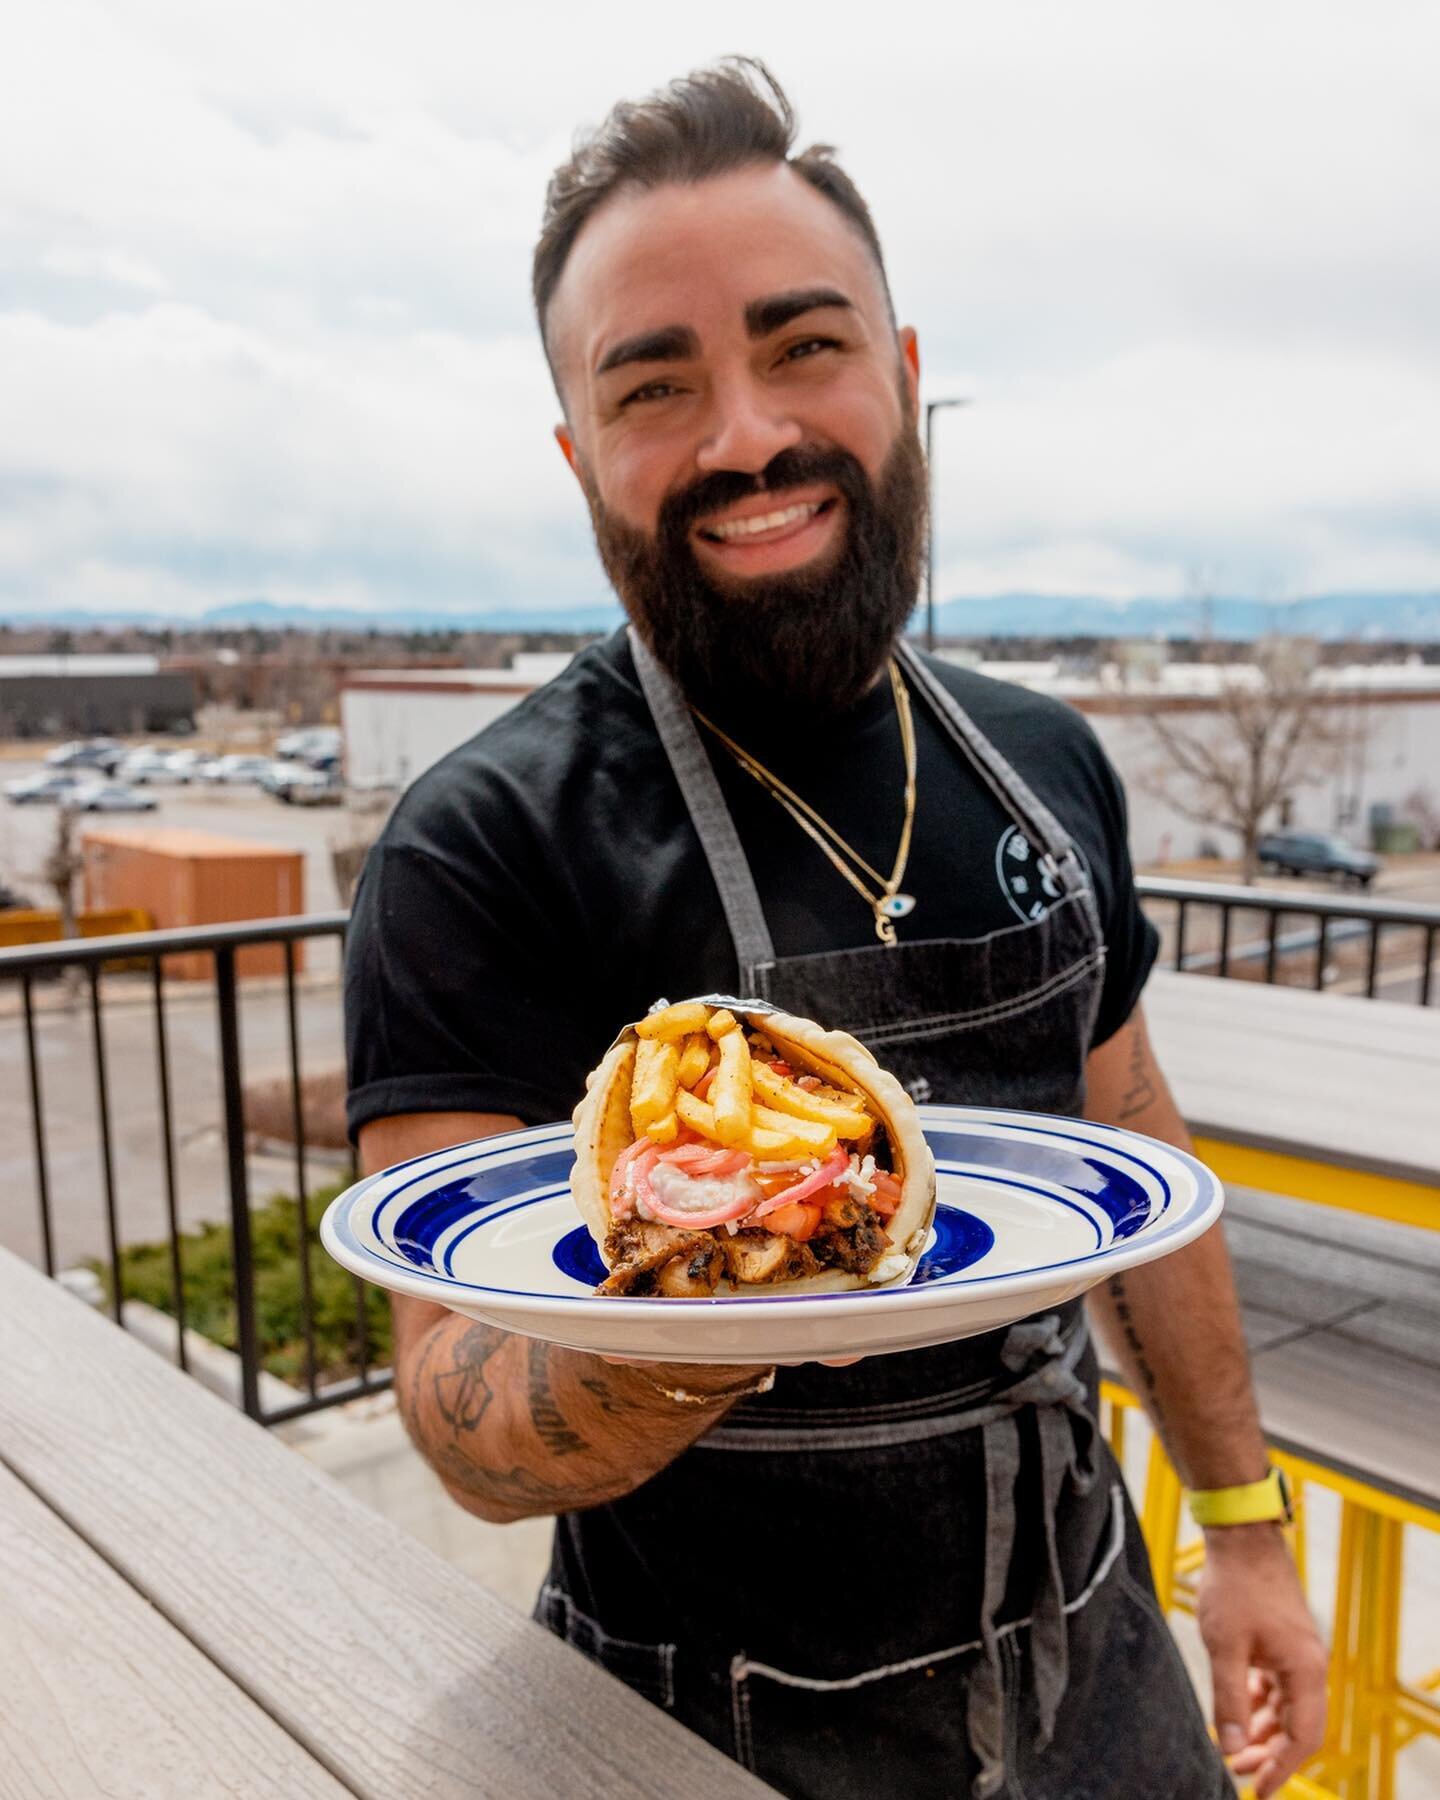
[(612, 1404), (462, 1391), (1140, 1089), (1137, 1348), (551, 1425)]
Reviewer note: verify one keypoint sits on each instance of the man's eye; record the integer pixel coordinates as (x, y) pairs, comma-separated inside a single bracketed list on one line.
[(809, 346), (652, 390)]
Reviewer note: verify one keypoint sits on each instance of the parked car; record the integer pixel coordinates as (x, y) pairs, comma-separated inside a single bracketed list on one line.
[(46, 789), (302, 786), (235, 769), (108, 796), (141, 767), (185, 765), (1316, 853), (86, 753), (318, 745)]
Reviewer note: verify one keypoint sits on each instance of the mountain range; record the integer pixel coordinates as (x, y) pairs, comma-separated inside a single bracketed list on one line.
[(1407, 617)]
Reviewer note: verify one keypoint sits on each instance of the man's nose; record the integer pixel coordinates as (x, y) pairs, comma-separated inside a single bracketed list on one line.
[(747, 431)]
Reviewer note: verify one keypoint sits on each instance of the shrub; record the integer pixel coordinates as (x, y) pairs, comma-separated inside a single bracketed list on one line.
[(208, 1282)]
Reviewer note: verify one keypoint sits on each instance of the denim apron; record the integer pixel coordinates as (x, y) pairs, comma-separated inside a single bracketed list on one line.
[(918, 1576)]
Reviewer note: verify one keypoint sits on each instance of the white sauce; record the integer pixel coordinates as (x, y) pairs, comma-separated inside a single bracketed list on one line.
[(700, 1193)]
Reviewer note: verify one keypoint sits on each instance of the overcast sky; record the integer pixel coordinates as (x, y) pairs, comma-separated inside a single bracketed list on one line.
[(265, 329)]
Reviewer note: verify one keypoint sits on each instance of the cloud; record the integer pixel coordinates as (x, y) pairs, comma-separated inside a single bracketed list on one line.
[(265, 326)]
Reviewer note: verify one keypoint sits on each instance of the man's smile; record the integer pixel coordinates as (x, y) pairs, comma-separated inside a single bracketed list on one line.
[(770, 533)]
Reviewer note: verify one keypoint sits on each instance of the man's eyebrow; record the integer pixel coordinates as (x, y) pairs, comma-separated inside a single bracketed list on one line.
[(776, 310), (670, 343)]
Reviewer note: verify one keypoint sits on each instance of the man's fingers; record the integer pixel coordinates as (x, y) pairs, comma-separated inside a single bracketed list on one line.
[(1232, 1700)]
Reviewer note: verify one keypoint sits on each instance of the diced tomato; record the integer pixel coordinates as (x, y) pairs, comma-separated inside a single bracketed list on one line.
[(781, 1067), (886, 1197), (798, 1220), (830, 1171)]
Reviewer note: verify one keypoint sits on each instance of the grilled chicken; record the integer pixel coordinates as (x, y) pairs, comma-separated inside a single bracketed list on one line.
[(754, 1256), (638, 1248)]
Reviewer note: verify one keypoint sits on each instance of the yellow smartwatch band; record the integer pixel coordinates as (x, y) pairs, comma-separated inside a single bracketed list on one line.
[(1247, 1505)]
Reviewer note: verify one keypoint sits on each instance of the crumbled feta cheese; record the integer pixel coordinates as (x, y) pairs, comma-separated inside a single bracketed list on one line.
[(890, 1267)]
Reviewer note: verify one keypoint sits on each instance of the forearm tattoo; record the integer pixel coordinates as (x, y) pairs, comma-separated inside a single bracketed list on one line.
[(1137, 1348), (1139, 1092)]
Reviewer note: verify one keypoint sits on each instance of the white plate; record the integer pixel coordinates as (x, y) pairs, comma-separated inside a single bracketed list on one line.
[(1031, 1211)]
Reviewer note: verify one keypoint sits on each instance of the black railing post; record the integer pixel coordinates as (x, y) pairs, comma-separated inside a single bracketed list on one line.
[(1320, 948), (1429, 957), (241, 1254), (1372, 965), (1225, 939), (107, 1151), (1180, 936), (37, 1123)]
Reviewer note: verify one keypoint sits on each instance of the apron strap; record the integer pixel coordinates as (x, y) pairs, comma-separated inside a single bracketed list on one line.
[(1005, 782), (1036, 1351), (708, 813)]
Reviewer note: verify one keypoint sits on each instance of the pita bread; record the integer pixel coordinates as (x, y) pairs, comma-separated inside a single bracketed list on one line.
[(603, 1130)]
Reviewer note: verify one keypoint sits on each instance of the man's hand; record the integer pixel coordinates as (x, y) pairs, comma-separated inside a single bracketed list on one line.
[(1266, 1657)]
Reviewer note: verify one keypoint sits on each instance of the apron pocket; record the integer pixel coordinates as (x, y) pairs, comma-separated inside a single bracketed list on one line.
[(648, 1668), (898, 1730)]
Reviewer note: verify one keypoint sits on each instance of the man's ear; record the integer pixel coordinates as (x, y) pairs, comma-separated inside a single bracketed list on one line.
[(910, 362), (567, 448)]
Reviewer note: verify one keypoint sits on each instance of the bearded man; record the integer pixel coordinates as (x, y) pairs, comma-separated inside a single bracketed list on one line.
[(916, 1575)]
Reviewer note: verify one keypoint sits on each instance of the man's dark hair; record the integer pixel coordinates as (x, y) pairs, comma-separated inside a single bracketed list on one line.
[(728, 117)]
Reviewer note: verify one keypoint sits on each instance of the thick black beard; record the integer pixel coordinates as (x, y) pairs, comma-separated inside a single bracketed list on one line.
[(814, 639)]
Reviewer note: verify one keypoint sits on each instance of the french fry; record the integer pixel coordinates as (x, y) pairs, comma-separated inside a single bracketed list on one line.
[(652, 1092), (673, 1022), (730, 1092), (816, 1136), (785, 1097), (721, 1024), (664, 1131), (772, 1146), (694, 1059)]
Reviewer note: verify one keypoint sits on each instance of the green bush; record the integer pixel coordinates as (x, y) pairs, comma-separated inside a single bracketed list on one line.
[(207, 1279)]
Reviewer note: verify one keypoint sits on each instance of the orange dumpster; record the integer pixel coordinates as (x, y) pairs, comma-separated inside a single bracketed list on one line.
[(185, 877)]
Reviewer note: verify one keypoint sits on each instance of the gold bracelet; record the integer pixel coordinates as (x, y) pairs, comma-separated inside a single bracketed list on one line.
[(683, 1397)]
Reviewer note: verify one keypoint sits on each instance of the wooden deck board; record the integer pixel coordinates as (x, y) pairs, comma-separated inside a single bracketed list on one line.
[(1357, 1406), (104, 1697), (1322, 1076), (403, 1676)]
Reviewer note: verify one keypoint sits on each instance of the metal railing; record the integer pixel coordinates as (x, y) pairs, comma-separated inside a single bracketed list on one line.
[(1274, 954), (222, 943), (1324, 924)]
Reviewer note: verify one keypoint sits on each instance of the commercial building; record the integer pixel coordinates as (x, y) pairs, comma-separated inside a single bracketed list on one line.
[(398, 722), (82, 696)]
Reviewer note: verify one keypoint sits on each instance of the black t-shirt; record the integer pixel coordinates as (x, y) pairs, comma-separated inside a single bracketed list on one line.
[(543, 884)]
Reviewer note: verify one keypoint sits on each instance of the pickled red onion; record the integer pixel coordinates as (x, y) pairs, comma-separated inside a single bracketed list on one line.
[(706, 1159)]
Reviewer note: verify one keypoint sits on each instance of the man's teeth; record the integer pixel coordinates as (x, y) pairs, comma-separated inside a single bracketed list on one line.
[(738, 528)]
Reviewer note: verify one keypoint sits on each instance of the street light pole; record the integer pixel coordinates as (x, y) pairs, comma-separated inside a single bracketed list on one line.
[(931, 408)]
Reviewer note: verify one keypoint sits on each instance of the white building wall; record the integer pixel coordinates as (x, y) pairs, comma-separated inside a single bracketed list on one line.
[(392, 736), (1400, 756)]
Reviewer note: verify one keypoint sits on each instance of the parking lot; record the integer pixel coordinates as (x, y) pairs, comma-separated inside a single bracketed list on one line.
[(27, 832)]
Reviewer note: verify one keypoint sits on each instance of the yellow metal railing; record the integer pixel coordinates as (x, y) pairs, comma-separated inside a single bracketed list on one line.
[(1374, 1712)]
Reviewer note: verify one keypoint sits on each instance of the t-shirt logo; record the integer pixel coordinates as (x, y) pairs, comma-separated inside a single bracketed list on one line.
[(1027, 879)]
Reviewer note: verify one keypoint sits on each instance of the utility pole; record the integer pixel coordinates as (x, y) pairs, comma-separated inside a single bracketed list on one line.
[(931, 408)]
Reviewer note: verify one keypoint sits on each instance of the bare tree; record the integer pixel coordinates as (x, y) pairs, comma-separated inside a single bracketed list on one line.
[(1236, 759), (60, 871)]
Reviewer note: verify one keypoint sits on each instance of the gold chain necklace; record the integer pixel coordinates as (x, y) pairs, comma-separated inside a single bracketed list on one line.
[(889, 903)]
